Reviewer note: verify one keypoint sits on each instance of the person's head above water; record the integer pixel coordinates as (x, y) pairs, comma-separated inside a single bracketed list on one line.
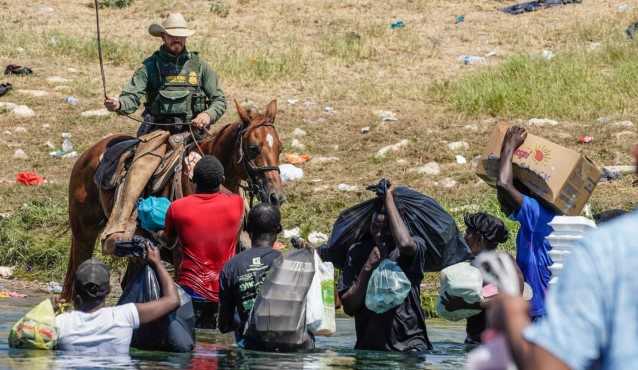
[(484, 232), (92, 285), (208, 174), (264, 223)]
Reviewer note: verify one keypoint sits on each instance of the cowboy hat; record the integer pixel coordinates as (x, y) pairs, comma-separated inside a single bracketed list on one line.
[(174, 25)]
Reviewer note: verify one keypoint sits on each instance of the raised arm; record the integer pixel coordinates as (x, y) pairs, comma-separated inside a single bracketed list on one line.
[(400, 232), (509, 197), (169, 301), (354, 298)]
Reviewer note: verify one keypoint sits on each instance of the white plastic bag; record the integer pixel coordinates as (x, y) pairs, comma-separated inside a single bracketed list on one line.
[(460, 280), (388, 287), (320, 305)]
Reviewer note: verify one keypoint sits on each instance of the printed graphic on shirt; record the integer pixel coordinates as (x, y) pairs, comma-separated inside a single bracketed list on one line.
[(250, 282)]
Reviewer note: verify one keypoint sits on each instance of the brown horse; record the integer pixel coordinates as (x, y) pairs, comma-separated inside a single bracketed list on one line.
[(248, 149)]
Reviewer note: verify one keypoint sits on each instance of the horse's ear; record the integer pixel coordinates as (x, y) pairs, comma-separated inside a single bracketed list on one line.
[(243, 114), (271, 110)]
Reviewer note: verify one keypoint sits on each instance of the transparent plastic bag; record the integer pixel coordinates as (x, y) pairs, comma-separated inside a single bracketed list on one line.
[(388, 287)]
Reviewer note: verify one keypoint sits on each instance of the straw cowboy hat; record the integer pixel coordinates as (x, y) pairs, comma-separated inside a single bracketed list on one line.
[(175, 25)]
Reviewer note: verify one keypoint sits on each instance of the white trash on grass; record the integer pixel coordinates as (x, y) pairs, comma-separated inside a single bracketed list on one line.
[(460, 159), (6, 272), (297, 144), (299, 132), (292, 233), (458, 146), (430, 169), (54, 287), (541, 122), (346, 187), (386, 116), (95, 113), (317, 238), (23, 111), (394, 148), (20, 154), (290, 173)]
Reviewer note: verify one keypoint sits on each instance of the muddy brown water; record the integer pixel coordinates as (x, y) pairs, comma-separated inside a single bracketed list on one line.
[(217, 351)]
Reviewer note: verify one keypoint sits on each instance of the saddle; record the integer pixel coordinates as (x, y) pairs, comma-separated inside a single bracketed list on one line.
[(120, 152)]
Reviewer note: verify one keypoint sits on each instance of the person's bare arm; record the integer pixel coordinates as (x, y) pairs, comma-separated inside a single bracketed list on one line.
[(169, 301), (509, 197), (400, 232), (510, 316), (354, 298)]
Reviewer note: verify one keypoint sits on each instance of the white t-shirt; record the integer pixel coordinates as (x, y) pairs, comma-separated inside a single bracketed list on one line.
[(107, 330)]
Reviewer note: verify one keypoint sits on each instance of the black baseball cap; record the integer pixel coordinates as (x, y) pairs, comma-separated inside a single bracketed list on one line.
[(92, 279)]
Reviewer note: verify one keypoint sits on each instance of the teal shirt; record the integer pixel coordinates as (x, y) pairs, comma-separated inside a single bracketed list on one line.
[(145, 83)]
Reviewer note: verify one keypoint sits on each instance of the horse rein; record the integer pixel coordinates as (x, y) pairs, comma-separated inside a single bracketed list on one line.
[(255, 185)]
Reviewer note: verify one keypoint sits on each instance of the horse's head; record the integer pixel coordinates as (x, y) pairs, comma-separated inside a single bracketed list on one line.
[(259, 151)]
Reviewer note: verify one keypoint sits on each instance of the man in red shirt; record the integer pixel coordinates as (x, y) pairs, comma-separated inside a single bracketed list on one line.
[(207, 224)]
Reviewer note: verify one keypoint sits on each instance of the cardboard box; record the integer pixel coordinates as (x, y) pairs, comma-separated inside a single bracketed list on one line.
[(562, 177)]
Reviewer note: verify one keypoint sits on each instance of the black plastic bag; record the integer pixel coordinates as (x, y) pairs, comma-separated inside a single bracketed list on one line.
[(278, 318), (173, 333), (423, 216)]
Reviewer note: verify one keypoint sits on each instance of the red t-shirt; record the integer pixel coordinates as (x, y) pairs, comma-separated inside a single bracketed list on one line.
[(207, 226)]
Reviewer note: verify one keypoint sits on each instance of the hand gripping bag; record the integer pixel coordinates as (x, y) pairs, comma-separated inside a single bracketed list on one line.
[(278, 317), (320, 305), (173, 333), (423, 216), (460, 280), (388, 287), (36, 330)]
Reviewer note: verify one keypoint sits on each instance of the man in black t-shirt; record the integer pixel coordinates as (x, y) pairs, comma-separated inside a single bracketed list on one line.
[(244, 274), (401, 328)]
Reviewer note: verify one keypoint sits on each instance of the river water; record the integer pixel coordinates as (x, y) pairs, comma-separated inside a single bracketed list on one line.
[(217, 351)]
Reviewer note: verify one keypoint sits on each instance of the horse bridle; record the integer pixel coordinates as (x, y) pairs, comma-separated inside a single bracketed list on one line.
[(255, 179)]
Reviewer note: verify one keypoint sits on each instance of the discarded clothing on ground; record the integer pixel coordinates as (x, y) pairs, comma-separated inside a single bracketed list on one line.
[(14, 69), (173, 333), (536, 5), (278, 318), (4, 88), (423, 216)]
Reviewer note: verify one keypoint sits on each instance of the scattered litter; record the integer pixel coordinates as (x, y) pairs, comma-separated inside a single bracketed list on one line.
[(461, 159), (294, 158), (20, 130), (532, 6), (325, 159), (430, 169), (402, 162), (6, 272), (459, 19), (57, 80), (491, 54), (623, 8), (611, 173), (365, 130), (447, 183), (292, 233), (297, 144), (603, 120), (623, 124), (293, 101), (391, 148), (458, 146), (317, 238), (11, 294), (540, 122), (329, 110), (584, 139), (298, 132), (594, 45), (346, 187), (14, 69), (95, 113), (49, 144), (386, 116), (44, 9), (320, 189), (23, 111), (29, 178), (67, 148), (20, 154), (472, 59), (72, 100), (398, 24), (54, 287), (5, 88), (471, 127), (34, 93), (631, 30), (290, 173), (548, 54)]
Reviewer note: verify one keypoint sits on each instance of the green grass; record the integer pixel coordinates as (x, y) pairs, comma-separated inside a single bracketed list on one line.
[(349, 47), (578, 85)]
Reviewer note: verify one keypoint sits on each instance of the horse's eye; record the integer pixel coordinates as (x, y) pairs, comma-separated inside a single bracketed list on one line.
[(253, 151)]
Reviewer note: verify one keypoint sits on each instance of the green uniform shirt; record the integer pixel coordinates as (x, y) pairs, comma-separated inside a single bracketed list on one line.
[(146, 82)]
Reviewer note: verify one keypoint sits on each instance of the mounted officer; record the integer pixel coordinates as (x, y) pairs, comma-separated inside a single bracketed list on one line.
[(178, 89)]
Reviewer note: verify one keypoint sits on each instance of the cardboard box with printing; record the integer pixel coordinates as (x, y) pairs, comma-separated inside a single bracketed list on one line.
[(562, 177)]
